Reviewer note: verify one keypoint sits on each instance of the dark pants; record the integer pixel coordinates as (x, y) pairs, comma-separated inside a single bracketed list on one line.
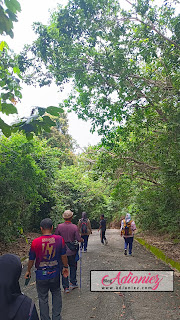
[(43, 286), (128, 241), (102, 235), (72, 266), (85, 243)]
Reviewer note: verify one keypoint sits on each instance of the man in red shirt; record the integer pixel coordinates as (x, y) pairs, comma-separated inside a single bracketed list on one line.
[(48, 251), (69, 232)]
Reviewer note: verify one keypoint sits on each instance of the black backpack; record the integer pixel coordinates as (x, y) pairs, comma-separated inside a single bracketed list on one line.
[(83, 226)]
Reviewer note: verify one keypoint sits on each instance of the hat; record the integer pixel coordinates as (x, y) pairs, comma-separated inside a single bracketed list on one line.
[(67, 214)]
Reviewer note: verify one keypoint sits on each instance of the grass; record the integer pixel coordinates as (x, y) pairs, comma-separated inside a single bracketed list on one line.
[(159, 254)]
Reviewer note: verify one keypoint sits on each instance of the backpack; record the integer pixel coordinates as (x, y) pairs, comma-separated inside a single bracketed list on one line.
[(127, 231), (83, 226)]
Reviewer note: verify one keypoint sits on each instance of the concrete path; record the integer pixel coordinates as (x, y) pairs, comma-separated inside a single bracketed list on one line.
[(85, 305)]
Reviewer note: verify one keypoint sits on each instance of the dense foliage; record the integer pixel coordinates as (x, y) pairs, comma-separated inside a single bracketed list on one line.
[(124, 66), (42, 178), (27, 173)]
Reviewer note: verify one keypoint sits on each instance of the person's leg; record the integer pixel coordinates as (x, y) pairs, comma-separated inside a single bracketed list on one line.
[(85, 242), (87, 239), (56, 298), (125, 245), (82, 243), (130, 245), (42, 290), (72, 266), (105, 240), (102, 236)]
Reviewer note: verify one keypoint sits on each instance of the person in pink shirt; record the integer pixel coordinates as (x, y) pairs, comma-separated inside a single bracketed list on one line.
[(127, 231), (70, 233)]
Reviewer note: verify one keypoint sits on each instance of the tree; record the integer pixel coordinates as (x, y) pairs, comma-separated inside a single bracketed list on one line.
[(10, 78), (121, 62), (76, 189), (59, 138), (124, 69), (27, 173)]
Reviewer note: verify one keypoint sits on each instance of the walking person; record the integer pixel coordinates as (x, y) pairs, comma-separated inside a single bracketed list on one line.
[(14, 304), (70, 233), (48, 252), (84, 227), (102, 228), (127, 231)]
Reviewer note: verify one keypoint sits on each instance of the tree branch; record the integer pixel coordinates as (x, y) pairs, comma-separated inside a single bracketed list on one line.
[(153, 27), (141, 163)]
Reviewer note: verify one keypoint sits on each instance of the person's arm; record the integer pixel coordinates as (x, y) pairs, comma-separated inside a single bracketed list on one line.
[(100, 226), (32, 257), (28, 272), (133, 226), (122, 225), (65, 271), (90, 227)]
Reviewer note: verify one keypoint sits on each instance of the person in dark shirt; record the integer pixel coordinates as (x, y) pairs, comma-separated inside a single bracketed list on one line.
[(102, 228), (14, 305)]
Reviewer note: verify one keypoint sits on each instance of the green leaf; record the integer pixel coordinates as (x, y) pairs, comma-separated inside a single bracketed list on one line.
[(16, 70), (41, 111), (48, 121), (8, 108), (3, 45), (54, 111), (6, 129), (29, 135), (13, 5)]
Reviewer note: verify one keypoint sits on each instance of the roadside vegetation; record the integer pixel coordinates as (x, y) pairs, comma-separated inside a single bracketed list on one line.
[(124, 67)]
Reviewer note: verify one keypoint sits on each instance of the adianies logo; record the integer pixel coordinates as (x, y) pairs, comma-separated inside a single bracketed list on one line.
[(131, 280)]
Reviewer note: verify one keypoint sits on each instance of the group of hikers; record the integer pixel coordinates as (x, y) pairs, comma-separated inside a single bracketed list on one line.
[(55, 254)]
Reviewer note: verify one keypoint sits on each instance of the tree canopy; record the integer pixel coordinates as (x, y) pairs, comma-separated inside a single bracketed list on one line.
[(124, 66)]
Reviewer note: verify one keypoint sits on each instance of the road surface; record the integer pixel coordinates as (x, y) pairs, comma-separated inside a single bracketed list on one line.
[(84, 305)]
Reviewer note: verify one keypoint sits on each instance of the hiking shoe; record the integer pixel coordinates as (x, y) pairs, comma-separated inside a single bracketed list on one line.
[(125, 252), (130, 254), (73, 286), (66, 290), (106, 242)]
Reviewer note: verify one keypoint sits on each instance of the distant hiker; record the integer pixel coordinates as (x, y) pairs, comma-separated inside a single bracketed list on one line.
[(102, 228), (70, 233), (14, 305), (84, 227), (49, 252), (127, 231)]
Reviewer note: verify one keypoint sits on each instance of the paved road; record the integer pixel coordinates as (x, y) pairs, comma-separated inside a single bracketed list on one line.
[(85, 305)]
